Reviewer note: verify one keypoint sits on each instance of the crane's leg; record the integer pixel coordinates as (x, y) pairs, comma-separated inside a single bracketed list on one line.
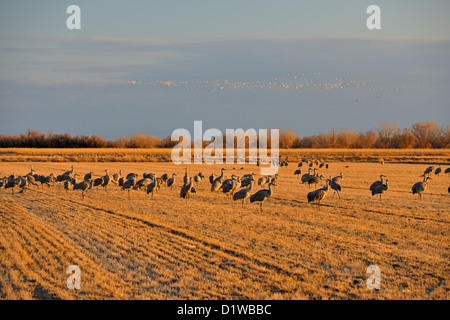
[(243, 203), (338, 194)]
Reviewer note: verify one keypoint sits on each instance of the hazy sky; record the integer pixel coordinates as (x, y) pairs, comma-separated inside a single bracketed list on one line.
[(154, 66)]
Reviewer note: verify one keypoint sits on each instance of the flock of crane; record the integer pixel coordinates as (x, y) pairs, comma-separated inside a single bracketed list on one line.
[(237, 187)]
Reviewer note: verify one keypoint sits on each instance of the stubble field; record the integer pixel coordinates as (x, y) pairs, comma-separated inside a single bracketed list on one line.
[(212, 248)]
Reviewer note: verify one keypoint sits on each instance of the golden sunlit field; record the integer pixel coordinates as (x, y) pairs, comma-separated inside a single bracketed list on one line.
[(212, 248)]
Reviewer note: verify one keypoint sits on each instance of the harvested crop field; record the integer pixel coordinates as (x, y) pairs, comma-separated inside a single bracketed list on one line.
[(164, 247)]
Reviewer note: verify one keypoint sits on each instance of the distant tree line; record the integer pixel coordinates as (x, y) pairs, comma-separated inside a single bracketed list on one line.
[(425, 134)]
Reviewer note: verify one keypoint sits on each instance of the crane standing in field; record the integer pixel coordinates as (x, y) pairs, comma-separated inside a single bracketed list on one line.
[(151, 187), (438, 171), (380, 189), (83, 186), (128, 185), (243, 193), (186, 190), (261, 196), (336, 187), (377, 183), (171, 181), (420, 187), (318, 195), (428, 170), (338, 178)]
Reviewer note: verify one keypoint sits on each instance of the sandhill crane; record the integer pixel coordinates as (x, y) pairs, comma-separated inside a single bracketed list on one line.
[(336, 187), (212, 177), (377, 183), (318, 195), (338, 178), (263, 180), (65, 176), (171, 181), (107, 179), (420, 187), (148, 175), (438, 171), (447, 170), (243, 193), (31, 171), (142, 183), (300, 164), (83, 186), (2, 182), (219, 178), (164, 178), (151, 187), (186, 190), (261, 196), (46, 179), (198, 177), (67, 183), (131, 175), (128, 185), (216, 185), (428, 170), (380, 189), (98, 182), (117, 176), (23, 183), (297, 173), (121, 181), (315, 179), (229, 188), (274, 180), (305, 178), (12, 183), (88, 176), (247, 180), (69, 172), (31, 180)]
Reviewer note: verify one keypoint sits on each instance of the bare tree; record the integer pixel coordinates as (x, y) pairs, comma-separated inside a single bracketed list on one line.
[(386, 131), (425, 133)]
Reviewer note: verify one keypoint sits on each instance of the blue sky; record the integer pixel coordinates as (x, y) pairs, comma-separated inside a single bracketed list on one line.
[(154, 66)]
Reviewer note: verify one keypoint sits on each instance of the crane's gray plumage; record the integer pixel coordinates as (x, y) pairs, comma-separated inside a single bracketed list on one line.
[(171, 181), (83, 186), (380, 189), (261, 196), (336, 187), (420, 187), (243, 193), (186, 190), (338, 178), (318, 195), (438, 170), (152, 186), (377, 183)]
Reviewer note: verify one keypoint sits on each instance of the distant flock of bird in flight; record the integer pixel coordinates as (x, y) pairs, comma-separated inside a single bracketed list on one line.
[(237, 187)]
